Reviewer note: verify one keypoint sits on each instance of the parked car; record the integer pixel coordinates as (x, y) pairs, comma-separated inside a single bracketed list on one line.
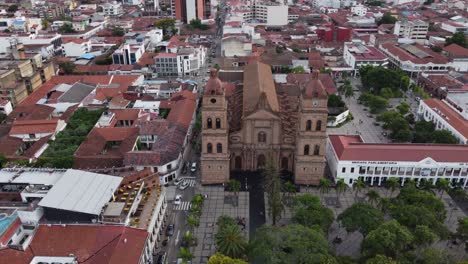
[(183, 185), (162, 257), (170, 230), (177, 181), (193, 168), (178, 199)]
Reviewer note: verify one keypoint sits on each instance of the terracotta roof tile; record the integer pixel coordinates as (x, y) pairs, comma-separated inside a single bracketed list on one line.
[(34, 126), (452, 117)]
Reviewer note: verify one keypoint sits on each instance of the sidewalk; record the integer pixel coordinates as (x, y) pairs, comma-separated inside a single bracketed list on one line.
[(218, 203)]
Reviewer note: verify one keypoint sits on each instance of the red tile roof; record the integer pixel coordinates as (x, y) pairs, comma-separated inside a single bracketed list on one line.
[(352, 148), (89, 244), (456, 51), (183, 108), (404, 55), (452, 117), (34, 126)]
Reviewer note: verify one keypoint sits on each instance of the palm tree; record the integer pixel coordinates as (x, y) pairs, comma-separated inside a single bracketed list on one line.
[(185, 254), (340, 187), (372, 196), (192, 222), (230, 242), (442, 185), (289, 189), (384, 204), (234, 186), (324, 186), (197, 200), (426, 185), (358, 186), (273, 189), (392, 184), (189, 239)]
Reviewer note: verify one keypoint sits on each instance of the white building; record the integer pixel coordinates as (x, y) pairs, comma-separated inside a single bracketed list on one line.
[(132, 2), (185, 61), (32, 39), (236, 45), (112, 9), (336, 4), (128, 54), (350, 159), (412, 29), (359, 10), (76, 47), (357, 55), (5, 107), (269, 13), (454, 27), (445, 115)]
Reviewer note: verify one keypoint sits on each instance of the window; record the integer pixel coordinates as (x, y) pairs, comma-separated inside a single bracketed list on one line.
[(169, 166), (218, 123), (262, 137), (209, 123), (308, 125), (32, 135), (316, 150), (343, 170), (352, 170), (306, 150), (219, 148), (209, 148), (318, 127)]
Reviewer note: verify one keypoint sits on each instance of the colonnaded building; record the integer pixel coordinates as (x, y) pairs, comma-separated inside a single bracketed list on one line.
[(254, 119)]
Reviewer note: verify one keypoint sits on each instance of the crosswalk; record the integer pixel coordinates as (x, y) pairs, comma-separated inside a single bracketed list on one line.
[(191, 182), (183, 206)]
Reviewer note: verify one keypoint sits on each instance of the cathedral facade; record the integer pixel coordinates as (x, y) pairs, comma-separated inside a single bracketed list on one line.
[(257, 119)]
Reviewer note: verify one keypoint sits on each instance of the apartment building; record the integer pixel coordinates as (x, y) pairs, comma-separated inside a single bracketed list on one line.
[(357, 55), (269, 13), (412, 29), (128, 54), (112, 9), (185, 61)]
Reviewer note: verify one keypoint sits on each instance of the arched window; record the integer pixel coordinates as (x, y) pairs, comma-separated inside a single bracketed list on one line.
[(209, 148), (306, 150), (218, 123), (309, 125), (318, 126), (219, 148), (316, 150), (262, 137), (209, 123)]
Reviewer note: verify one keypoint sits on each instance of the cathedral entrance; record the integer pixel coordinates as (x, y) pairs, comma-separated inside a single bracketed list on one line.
[(238, 163), (261, 161), (285, 163)]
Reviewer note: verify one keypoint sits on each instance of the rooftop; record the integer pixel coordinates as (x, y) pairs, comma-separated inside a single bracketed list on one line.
[(352, 148), (81, 191), (452, 117)]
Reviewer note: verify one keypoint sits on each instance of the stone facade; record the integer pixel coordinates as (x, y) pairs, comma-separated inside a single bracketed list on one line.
[(261, 120)]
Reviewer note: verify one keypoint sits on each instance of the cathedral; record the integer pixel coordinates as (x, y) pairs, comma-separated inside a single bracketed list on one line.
[(255, 119)]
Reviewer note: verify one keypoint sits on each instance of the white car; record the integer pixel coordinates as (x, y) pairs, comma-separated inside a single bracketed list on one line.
[(178, 199), (193, 168)]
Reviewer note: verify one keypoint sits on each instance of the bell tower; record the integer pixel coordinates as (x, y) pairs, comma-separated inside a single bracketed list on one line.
[(311, 136), (215, 152)]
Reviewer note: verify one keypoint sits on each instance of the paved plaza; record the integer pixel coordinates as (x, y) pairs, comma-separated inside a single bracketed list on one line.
[(218, 203)]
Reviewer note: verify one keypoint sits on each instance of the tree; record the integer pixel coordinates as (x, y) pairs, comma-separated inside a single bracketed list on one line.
[(457, 38), (387, 18), (185, 254), (12, 8), (3, 161), (234, 186), (358, 186), (192, 222), (289, 190), (403, 108), (188, 239), (443, 137), (384, 204), (373, 196), (433, 256), (118, 31), (66, 28), (386, 93), (224, 221), (361, 217), (289, 244), (392, 184), (340, 187), (197, 200), (423, 131), (67, 67), (442, 185), (403, 135), (388, 239), (273, 189), (324, 186), (412, 216), (298, 69), (45, 23), (309, 212), (349, 92), (165, 24), (335, 101), (219, 258), (230, 241), (437, 49), (197, 24), (423, 235), (380, 259), (377, 104)]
